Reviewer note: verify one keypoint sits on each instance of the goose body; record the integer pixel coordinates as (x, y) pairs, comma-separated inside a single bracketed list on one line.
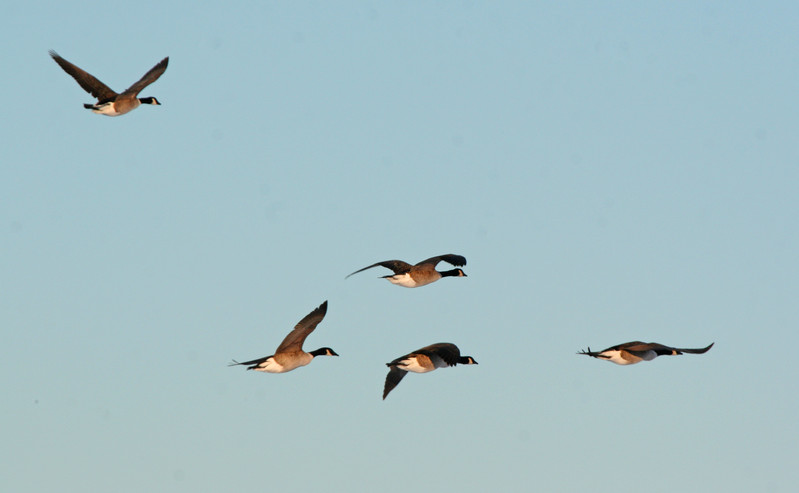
[(421, 274), (290, 355), (109, 102), (634, 352), (426, 359)]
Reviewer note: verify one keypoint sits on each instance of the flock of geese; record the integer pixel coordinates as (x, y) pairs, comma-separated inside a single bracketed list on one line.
[(290, 355)]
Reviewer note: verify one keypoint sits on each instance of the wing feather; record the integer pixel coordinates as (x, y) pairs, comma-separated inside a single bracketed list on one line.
[(696, 350), (397, 266), (448, 352), (394, 377), (151, 76), (630, 346), (294, 340), (87, 81), (456, 260)]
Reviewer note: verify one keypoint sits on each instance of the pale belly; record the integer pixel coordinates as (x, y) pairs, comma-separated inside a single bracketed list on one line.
[(411, 364), (288, 364), (106, 109), (615, 357), (406, 281), (112, 109)]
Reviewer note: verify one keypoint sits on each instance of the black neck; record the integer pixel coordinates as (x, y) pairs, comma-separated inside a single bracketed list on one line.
[(323, 351)]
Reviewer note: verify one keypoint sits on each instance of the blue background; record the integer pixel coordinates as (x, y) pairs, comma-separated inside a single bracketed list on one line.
[(612, 172)]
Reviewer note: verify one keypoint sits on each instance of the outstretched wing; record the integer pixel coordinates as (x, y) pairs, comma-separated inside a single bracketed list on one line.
[(394, 377), (151, 76), (296, 337), (456, 260), (696, 351), (397, 266), (86, 80), (633, 346)]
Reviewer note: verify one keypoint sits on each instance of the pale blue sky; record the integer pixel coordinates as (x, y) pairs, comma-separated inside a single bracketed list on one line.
[(612, 173)]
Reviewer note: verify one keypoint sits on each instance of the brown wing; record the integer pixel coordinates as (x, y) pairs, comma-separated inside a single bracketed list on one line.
[(638, 347), (86, 80), (630, 346), (444, 350), (456, 260), (148, 78), (397, 266), (296, 337), (394, 377), (696, 351)]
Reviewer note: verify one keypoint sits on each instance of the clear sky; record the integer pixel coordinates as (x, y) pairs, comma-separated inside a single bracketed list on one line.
[(611, 172)]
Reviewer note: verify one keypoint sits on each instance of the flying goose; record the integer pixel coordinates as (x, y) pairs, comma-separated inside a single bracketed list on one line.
[(634, 352), (440, 355), (289, 355), (413, 276), (110, 103)]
